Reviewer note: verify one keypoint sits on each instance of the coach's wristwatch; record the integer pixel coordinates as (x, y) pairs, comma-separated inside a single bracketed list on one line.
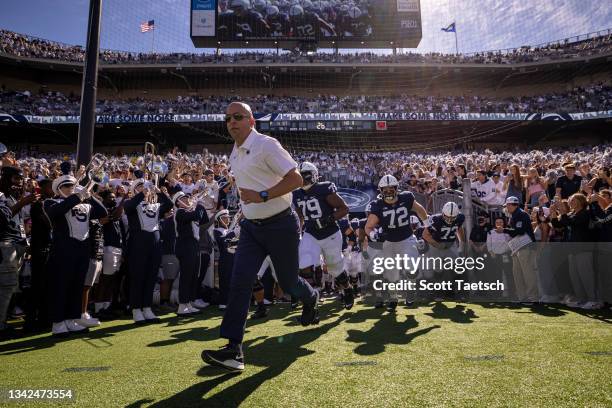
[(264, 195)]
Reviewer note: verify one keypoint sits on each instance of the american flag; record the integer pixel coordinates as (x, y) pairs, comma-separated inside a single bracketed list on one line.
[(147, 25)]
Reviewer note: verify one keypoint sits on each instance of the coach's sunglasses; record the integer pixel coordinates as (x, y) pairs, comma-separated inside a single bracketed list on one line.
[(237, 116)]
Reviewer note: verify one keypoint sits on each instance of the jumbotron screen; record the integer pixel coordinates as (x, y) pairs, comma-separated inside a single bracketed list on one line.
[(286, 23)]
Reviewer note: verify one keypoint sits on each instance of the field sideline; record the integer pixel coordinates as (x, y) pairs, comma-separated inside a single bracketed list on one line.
[(441, 354)]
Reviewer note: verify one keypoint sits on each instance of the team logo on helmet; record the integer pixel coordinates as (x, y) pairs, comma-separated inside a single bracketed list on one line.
[(450, 212), (388, 186)]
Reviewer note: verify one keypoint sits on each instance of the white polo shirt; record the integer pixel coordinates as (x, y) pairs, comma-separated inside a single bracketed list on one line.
[(259, 164)]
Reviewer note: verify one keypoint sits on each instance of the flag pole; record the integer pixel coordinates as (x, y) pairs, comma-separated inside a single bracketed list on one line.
[(456, 46), (153, 42)]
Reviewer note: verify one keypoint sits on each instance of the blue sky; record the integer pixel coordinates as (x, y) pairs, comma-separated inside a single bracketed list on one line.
[(481, 24)]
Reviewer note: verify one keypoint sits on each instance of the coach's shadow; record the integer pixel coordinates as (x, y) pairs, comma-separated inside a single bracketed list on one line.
[(273, 354), (458, 314), (386, 330)]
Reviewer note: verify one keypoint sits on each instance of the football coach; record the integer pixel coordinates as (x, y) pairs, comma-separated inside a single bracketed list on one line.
[(265, 175)]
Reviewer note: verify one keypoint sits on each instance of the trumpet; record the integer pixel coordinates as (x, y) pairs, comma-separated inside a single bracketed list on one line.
[(155, 166), (236, 219), (206, 196), (97, 176), (97, 162), (232, 243)]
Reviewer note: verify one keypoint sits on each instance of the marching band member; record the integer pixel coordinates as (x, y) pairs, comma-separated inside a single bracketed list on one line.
[(114, 237), (188, 220), (170, 265), (226, 256), (144, 247), (69, 260)]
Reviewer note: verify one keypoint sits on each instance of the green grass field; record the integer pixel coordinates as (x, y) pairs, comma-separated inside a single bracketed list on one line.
[(443, 354)]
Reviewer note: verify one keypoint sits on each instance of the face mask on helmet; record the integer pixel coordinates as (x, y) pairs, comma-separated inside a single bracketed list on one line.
[(389, 193), (309, 179), (448, 219)]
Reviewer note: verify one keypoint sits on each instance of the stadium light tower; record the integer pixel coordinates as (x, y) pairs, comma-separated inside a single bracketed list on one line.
[(87, 119)]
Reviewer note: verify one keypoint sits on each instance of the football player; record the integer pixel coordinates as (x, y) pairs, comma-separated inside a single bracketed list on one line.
[(240, 22), (391, 213), (278, 22), (352, 255), (446, 228), (445, 236), (354, 23), (320, 207), (305, 24), (370, 248)]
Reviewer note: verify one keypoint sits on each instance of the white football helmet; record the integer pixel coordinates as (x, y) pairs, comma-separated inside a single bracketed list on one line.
[(243, 4), (388, 186), (296, 11), (450, 211), (309, 173), (260, 5), (271, 11)]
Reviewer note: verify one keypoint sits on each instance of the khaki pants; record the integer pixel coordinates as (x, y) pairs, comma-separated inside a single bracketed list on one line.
[(524, 270), (12, 259)]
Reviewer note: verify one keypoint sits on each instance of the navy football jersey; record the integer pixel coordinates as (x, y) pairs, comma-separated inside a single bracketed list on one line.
[(315, 209), (307, 25), (354, 27), (279, 25), (394, 219), (441, 231), (250, 24)]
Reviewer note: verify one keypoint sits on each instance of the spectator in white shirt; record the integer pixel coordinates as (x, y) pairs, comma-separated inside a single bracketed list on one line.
[(484, 188), (500, 260)]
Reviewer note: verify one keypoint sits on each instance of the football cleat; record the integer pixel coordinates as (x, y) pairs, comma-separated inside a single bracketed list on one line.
[(310, 312)]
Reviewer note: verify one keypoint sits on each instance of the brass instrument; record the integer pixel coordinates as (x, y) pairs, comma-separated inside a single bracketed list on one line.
[(97, 162), (156, 167), (206, 196)]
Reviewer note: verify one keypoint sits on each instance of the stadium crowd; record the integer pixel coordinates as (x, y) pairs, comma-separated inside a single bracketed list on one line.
[(594, 97), (45, 200), (20, 45)]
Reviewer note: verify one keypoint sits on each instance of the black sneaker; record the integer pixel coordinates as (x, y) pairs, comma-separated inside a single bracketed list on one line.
[(392, 306), (409, 303), (357, 291), (348, 298), (310, 312), (379, 304), (260, 312), (229, 357)]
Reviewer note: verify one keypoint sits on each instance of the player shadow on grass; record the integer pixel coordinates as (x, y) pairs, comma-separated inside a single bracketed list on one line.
[(386, 330), (458, 314), (273, 354), (551, 310)]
